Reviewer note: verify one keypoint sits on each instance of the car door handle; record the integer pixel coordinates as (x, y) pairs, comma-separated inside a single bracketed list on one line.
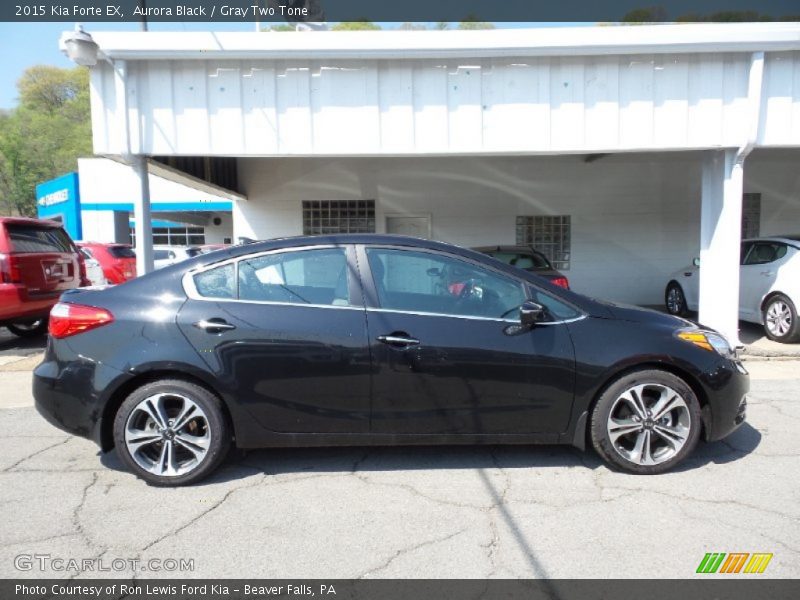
[(767, 273), (214, 325), (400, 340)]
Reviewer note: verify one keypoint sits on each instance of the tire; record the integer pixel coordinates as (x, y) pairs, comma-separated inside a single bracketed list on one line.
[(675, 299), (780, 320), (662, 442), (143, 438), (30, 329)]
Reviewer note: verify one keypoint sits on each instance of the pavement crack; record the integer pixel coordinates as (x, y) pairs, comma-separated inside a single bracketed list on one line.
[(37, 453), (404, 551)]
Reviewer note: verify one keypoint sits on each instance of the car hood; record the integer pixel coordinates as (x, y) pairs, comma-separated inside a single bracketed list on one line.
[(637, 314)]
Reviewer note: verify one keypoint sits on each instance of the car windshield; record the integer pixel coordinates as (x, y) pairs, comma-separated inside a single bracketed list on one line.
[(532, 260), (121, 252)]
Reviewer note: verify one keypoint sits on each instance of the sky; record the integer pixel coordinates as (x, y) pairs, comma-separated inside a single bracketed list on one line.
[(26, 44)]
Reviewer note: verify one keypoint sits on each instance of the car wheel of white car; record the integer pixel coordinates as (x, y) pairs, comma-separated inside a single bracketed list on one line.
[(780, 319), (675, 300)]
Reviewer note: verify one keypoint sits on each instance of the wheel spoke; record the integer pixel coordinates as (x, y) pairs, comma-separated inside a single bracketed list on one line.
[(154, 407), (197, 445), (166, 461), (136, 440), (634, 399), (666, 402), (620, 427), (187, 411), (641, 452), (674, 436)]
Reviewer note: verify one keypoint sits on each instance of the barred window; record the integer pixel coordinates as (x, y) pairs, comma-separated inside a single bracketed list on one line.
[(751, 215), (550, 235), (322, 217)]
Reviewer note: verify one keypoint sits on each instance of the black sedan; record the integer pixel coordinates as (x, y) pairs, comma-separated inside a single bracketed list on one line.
[(374, 340), (528, 259)]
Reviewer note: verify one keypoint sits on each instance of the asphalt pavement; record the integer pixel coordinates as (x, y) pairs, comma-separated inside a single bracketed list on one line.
[(531, 511)]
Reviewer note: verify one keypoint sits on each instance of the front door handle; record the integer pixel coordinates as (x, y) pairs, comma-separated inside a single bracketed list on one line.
[(214, 325), (767, 273), (398, 339)]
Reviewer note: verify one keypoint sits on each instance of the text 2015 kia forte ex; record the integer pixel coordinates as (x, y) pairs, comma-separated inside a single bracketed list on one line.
[(375, 340)]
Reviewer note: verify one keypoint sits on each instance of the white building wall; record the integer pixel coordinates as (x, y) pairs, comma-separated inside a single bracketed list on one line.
[(775, 175), (635, 218)]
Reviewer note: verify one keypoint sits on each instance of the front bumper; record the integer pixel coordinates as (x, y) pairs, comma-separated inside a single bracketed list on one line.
[(73, 395), (726, 388)]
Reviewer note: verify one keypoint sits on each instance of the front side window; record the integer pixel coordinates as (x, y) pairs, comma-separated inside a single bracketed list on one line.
[(318, 276), (412, 281)]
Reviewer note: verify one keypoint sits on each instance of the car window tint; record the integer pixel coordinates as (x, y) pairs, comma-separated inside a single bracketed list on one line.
[(746, 246), (523, 261), (414, 281), (317, 276), (765, 252), (122, 252), (216, 283), (27, 238)]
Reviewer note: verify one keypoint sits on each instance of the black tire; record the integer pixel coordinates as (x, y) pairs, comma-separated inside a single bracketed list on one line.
[(780, 320), (29, 329), (213, 424), (686, 420), (675, 299)]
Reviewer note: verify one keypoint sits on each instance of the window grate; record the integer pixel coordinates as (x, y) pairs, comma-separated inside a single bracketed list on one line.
[(550, 235), (322, 217)]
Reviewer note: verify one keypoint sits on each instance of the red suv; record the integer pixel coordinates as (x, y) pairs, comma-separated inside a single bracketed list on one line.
[(117, 260), (38, 261)]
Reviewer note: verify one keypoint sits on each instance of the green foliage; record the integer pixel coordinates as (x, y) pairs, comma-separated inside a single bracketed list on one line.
[(471, 22), (44, 136), (356, 26), (282, 27)]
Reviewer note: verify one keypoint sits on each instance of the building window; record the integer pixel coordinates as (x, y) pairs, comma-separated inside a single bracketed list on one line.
[(751, 216), (322, 217), (175, 236), (550, 235)]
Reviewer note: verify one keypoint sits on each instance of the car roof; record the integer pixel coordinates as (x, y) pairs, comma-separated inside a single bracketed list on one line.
[(30, 221), (511, 248)]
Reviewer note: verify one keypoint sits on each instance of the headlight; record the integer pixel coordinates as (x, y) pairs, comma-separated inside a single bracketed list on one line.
[(708, 341)]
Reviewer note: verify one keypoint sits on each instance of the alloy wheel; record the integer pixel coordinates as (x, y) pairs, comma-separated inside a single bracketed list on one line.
[(167, 434), (779, 318), (675, 300), (649, 424)]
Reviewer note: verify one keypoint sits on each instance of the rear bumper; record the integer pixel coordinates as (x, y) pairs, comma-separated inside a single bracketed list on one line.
[(726, 388), (71, 396), (15, 305)]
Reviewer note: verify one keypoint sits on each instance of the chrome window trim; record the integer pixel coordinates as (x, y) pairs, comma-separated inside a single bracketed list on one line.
[(469, 317)]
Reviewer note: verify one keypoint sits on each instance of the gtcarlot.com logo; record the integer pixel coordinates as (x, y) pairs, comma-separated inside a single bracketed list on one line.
[(48, 562), (734, 562)]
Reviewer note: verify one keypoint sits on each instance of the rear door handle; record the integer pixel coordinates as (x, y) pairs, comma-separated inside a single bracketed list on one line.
[(214, 325), (400, 340)]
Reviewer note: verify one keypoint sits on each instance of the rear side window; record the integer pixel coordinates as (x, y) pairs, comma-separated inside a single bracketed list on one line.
[(121, 252), (27, 238), (217, 283)]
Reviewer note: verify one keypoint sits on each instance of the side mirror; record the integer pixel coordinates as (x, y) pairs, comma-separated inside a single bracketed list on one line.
[(696, 262), (531, 313)]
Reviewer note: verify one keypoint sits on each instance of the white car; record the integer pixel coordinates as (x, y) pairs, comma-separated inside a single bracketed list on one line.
[(169, 255), (769, 286), (94, 272)]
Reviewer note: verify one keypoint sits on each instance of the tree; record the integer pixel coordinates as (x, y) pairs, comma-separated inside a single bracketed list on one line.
[(471, 22), (356, 26), (44, 136)]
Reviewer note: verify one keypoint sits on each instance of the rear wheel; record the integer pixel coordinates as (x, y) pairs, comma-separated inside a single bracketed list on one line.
[(780, 320), (30, 328), (171, 432), (675, 299), (646, 422)]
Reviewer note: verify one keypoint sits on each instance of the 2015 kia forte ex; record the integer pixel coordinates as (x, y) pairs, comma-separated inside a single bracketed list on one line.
[(374, 340)]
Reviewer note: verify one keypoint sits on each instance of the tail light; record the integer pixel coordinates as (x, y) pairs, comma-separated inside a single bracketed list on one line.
[(82, 271), (9, 269), (560, 281), (71, 319)]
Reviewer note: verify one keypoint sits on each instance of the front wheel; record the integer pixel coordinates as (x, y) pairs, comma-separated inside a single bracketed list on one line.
[(780, 320), (29, 329), (646, 422), (171, 432)]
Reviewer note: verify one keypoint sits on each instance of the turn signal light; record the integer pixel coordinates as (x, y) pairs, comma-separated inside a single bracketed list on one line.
[(696, 338), (70, 319)]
